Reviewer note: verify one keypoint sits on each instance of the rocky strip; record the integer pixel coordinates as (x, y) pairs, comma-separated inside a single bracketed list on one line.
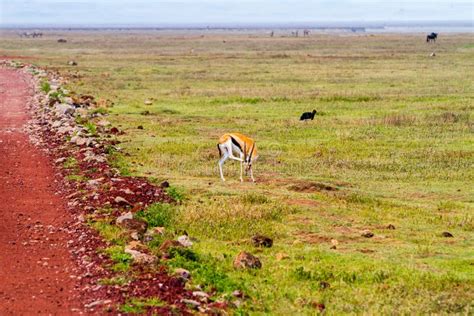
[(60, 127)]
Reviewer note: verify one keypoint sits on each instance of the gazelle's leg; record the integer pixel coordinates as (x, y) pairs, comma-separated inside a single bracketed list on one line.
[(241, 167), (224, 157), (251, 174), (231, 154)]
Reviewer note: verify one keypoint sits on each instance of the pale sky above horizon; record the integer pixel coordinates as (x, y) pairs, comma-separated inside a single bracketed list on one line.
[(182, 12)]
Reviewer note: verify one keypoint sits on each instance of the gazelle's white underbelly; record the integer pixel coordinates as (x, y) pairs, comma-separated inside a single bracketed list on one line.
[(229, 146)]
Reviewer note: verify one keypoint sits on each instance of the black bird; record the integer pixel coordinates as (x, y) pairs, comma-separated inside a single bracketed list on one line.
[(308, 116)]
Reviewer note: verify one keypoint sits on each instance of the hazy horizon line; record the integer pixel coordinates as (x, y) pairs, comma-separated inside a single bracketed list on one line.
[(237, 25)]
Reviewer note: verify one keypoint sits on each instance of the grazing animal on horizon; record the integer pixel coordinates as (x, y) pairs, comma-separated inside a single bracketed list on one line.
[(238, 147), (431, 37), (306, 33), (308, 116)]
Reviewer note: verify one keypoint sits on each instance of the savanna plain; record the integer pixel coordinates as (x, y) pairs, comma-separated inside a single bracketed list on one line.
[(390, 151)]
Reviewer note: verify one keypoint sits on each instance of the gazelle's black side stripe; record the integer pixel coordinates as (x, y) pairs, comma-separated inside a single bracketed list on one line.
[(236, 143), (219, 149)]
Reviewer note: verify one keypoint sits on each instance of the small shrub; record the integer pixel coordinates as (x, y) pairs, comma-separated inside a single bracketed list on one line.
[(205, 271), (99, 110), (119, 280), (75, 178), (255, 198), (91, 128), (121, 259), (138, 305), (185, 253), (301, 274), (176, 194), (169, 111), (158, 214), (70, 163), (45, 86), (111, 233)]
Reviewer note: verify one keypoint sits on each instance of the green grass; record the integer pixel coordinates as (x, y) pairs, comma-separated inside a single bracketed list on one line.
[(137, 305), (122, 260), (158, 215), (45, 86), (392, 145)]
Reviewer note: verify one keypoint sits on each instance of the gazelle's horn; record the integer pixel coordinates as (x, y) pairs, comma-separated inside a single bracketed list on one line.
[(251, 152)]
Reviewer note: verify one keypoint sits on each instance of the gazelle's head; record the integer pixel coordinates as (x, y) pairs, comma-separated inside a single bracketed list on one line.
[(252, 157)]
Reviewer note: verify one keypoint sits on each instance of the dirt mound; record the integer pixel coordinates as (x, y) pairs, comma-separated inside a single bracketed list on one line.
[(309, 187)]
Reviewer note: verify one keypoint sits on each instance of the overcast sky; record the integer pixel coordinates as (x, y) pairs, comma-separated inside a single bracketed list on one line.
[(161, 12)]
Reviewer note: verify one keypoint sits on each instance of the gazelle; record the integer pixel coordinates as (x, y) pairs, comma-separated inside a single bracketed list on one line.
[(235, 144)]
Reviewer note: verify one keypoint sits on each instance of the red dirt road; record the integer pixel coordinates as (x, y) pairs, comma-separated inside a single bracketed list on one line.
[(35, 265)]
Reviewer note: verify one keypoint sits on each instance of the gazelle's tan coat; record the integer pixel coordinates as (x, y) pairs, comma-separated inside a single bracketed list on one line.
[(238, 147)]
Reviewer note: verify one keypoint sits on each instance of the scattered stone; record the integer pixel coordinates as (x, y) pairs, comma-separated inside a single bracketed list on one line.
[(262, 241), (200, 294), (62, 40), (168, 244), (245, 260), (189, 302), (60, 160), (182, 273), (134, 225), (114, 130), (319, 306), (121, 201), (433, 54), (94, 182), (282, 256), (140, 257), (165, 184), (447, 234), (97, 303), (390, 226), (64, 109), (103, 123), (127, 191), (185, 241), (238, 293), (367, 234), (72, 63), (140, 127), (237, 303), (123, 217), (158, 230), (148, 102)]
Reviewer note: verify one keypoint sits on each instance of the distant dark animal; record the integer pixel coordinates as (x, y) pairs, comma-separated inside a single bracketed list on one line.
[(62, 40), (306, 33), (431, 37), (308, 116)]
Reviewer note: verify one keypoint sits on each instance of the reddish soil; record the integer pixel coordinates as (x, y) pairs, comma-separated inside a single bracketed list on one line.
[(36, 269)]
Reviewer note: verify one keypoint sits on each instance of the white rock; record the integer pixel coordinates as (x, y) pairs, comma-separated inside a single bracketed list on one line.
[(140, 257), (97, 303), (185, 241), (121, 218), (200, 294)]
